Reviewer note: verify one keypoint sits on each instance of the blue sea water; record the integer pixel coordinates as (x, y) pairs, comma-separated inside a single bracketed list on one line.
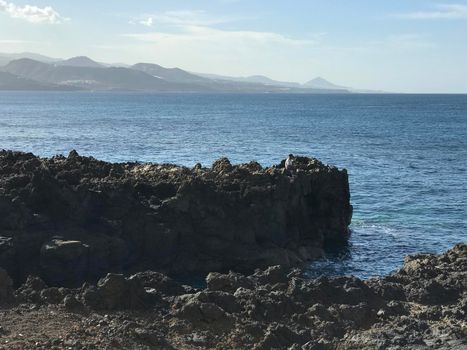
[(406, 154)]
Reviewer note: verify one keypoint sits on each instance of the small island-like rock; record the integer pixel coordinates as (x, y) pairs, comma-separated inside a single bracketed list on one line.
[(74, 219)]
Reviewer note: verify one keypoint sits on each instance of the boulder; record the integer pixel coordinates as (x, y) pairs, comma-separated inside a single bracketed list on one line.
[(195, 312), (225, 301), (272, 275), (227, 282), (90, 297), (53, 295), (159, 282), (70, 303), (64, 262), (117, 292), (222, 165), (31, 289)]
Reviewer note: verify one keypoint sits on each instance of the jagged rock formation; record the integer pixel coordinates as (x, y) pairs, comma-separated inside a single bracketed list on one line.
[(74, 219), (422, 306)]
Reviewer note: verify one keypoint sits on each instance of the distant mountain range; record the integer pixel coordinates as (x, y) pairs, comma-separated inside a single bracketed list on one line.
[(33, 56), (29, 71), (258, 79)]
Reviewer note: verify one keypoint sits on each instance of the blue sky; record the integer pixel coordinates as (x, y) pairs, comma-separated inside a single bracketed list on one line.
[(391, 45)]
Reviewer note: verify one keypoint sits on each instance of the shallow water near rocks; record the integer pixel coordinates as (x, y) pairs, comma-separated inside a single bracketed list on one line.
[(406, 154)]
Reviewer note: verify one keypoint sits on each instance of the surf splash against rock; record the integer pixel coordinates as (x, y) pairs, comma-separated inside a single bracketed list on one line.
[(72, 219)]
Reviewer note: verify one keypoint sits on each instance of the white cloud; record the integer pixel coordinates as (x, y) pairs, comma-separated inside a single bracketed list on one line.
[(147, 22), (185, 18), (197, 29), (442, 11), (189, 17), (232, 52), (406, 41), (197, 33), (32, 13)]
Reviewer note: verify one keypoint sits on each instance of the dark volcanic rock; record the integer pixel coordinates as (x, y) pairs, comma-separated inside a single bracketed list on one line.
[(31, 290), (73, 219), (227, 282), (159, 282), (64, 262), (271, 309), (6, 287), (116, 292)]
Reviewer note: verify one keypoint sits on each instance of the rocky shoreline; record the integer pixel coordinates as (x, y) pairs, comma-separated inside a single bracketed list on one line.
[(421, 306), (88, 251), (74, 219)]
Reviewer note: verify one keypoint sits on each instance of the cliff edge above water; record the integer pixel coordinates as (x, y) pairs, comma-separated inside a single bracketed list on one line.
[(74, 219)]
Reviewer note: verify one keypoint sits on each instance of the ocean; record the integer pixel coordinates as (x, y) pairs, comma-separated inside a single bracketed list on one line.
[(406, 154)]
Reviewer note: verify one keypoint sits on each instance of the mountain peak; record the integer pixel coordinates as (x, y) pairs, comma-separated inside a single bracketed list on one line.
[(25, 63), (80, 61), (320, 80), (321, 83)]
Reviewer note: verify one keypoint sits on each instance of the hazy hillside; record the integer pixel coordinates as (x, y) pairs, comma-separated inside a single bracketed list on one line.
[(7, 57), (28, 68), (12, 82), (222, 85), (106, 78), (268, 81), (4, 61), (169, 74), (321, 83), (257, 79), (80, 61)]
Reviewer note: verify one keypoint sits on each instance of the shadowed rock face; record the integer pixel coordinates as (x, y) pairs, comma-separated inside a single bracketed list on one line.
[(70, 219)]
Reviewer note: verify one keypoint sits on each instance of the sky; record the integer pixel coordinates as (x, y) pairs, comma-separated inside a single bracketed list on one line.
[(389, 45)]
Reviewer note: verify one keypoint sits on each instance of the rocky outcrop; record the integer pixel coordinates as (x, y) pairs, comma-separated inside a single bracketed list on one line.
[(422, 306), (72, 219)]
